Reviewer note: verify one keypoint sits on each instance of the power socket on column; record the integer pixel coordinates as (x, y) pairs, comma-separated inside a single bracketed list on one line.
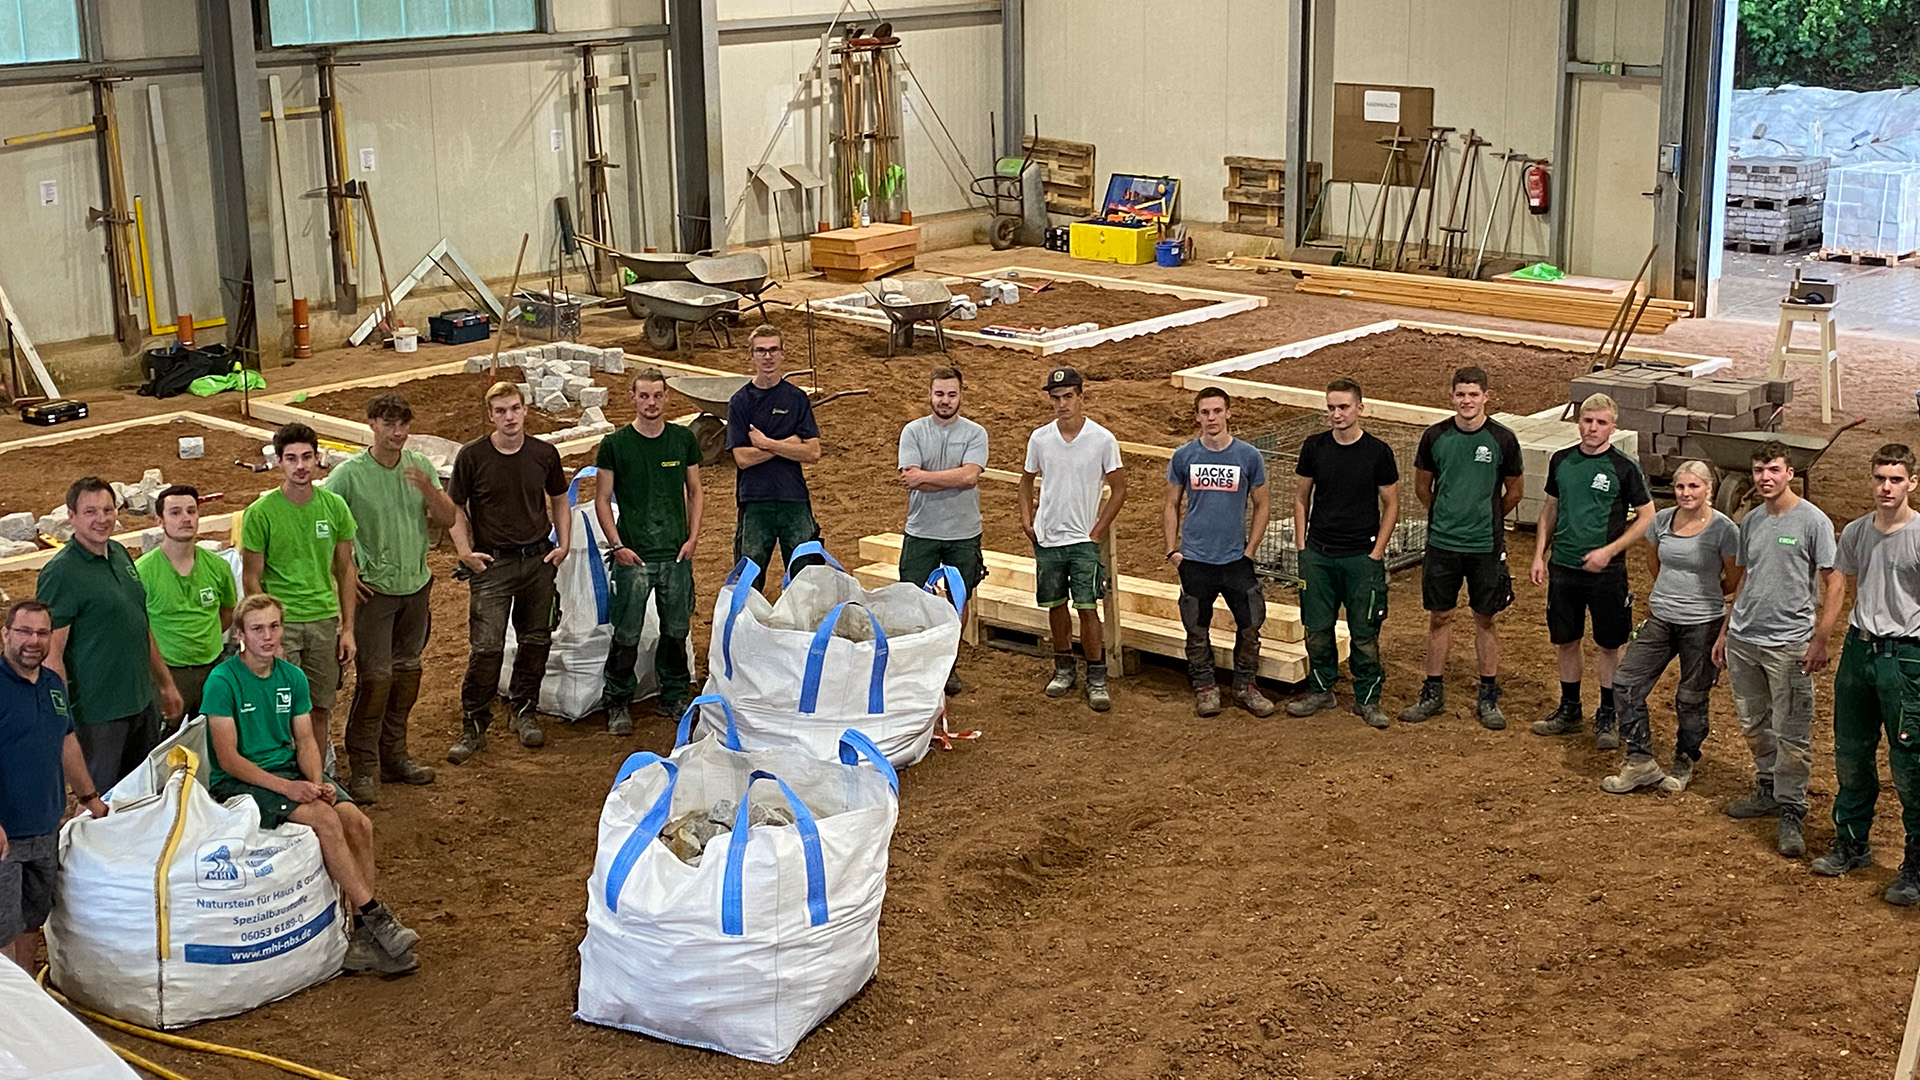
[(366, 159)]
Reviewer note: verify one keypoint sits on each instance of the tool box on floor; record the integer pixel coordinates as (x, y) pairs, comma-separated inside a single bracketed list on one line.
[(1130, 220), (459, 326)]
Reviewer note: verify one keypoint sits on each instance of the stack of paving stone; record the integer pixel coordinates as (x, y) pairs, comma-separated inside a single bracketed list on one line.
[(560, 379), (1774, 204), (1666, 407)]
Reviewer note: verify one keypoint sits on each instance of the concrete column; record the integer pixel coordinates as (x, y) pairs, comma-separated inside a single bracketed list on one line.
[(237, 163), (1299, 101), (693, 87), (1013, 76)]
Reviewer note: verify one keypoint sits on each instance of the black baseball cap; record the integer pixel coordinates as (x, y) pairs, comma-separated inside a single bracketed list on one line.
[(1062, 377)]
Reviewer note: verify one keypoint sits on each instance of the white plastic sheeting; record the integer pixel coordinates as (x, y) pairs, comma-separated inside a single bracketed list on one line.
[(1845, 126)]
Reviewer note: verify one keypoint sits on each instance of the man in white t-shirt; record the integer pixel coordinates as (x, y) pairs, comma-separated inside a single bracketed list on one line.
[(1077, 457)]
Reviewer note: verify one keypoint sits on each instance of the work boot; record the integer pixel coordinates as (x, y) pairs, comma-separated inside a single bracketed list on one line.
[(1206, 701), (524, 721), (954, 685), (1847, 855), (363, 788), (1563, 720), (1905, 890), (1248, 696), (1097, 696), (1680, 774), (1633, 776), (1373, 714), (1491, 717), (387, 932), (1606, 730), (671, 708), (1791, 841), (405, 771), (619, 720), (1433, 700), (473, 739), (365, 954), (1311, 703), (1757, 805), (1065, 676)]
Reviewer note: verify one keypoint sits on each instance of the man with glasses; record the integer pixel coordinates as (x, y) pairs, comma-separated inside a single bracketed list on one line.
[(771, 432)]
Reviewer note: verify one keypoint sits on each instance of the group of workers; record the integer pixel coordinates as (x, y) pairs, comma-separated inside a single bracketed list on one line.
[(336, 573)]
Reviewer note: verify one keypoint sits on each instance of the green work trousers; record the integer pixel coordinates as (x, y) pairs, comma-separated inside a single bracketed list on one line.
[(1357, 583), (1876, 689)]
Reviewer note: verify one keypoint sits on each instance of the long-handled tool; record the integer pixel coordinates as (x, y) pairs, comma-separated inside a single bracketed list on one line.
[(1460, 212), (1429, 164), (500, 333), (357, 189), (1493, 208), (1608, 347), (1395, 145)]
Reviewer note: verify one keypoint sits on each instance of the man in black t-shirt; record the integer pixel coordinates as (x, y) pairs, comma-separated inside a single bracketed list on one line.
[(771, 432), (1344, 510), (509, 494)]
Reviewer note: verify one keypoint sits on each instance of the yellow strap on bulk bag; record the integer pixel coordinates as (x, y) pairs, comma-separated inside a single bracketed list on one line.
[(179, 759)]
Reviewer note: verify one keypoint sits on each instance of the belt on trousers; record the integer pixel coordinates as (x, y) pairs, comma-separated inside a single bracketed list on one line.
[(1880, 644), (522, 551)]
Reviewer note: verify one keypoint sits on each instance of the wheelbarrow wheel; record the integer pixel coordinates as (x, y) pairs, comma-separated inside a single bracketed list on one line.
[(1004, 232), (1734, 494), (662, 332), (711, 433)]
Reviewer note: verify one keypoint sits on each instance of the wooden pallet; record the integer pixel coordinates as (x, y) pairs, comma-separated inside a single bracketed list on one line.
[(1869, 258), (1752, 202), (1066, 174), (1256, 192), (1779, 247)]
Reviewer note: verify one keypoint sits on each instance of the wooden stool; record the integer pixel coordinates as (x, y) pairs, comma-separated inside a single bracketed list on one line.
[(1827, 355)]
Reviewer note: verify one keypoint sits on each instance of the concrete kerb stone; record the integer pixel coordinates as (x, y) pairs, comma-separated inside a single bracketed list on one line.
[(17, 526)]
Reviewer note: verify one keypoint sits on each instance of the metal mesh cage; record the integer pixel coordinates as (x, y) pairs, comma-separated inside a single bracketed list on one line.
[(1276, 556)]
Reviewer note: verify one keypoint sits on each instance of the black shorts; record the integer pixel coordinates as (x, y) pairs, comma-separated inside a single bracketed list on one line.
[(1489, 586), (1572, 593)]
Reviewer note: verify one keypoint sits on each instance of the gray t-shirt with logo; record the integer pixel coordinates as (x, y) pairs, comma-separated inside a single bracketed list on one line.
[(1687, 592), (1886, 572), (1783, 554), (1219, 484), (953, 514)]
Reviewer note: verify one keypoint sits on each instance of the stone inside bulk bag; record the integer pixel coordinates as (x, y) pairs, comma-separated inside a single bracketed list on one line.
[(175, 909), (577, 662), (830, 655), (735, 897)]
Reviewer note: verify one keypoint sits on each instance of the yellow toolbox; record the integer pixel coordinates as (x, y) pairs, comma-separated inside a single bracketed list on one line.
[(1130, 220)]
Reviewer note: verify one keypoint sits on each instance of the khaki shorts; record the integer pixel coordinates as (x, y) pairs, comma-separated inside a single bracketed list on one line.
[(314, 648)]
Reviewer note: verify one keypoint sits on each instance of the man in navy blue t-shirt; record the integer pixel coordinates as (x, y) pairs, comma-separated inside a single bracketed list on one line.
[(37, 745), (771, 432)]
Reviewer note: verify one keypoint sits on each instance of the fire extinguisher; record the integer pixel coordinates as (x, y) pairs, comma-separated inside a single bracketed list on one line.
[(1539, 187)]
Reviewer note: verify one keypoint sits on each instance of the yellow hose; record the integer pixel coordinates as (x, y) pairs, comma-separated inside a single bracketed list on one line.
[(144, 1065), (185, 1043)]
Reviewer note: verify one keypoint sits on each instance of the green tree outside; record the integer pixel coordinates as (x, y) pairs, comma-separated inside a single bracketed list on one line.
[(1841, 44)]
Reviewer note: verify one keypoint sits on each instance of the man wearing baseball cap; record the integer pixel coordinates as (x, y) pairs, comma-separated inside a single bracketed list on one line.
[(1077, 456)]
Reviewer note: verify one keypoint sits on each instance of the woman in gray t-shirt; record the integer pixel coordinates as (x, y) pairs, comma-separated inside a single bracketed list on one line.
[(1692, 559)]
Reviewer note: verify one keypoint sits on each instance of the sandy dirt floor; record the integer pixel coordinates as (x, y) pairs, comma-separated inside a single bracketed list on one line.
[(1144, 894), (1410, 366), (35, 478)]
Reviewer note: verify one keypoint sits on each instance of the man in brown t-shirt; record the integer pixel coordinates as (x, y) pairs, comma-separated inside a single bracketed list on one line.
[(511, 529)]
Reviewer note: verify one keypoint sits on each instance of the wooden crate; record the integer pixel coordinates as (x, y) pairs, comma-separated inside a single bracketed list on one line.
[(1256, 192), (856, 254), (1066, 174)]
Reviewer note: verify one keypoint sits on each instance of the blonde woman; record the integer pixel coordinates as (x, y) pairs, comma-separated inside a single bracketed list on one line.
[(1692, 560)]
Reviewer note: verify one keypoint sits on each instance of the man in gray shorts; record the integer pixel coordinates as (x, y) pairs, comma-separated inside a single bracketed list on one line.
[(1880, 555), (1773, 643), (37, 746)]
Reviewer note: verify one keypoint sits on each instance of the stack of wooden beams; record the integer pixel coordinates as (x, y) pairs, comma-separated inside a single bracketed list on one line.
[(1066, 174), (1507, 299), (864, 254)]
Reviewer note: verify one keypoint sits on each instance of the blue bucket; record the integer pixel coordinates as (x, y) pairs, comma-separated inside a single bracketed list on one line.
[(1169, 252)]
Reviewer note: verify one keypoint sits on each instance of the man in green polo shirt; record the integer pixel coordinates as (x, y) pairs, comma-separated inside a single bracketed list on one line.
[(190, 594), (397, 503), (99, 632), (652, 469), (296, 544)]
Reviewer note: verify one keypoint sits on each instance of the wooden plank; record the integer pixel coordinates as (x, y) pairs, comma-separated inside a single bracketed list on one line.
[(1256, 196), (855, 277), (1909, 1060), (11, 319), (1511, 337), (878, 236), (868, 260), (76, 434), (1063, 146)]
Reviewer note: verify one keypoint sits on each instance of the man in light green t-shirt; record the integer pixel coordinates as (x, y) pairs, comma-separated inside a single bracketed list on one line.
[(296, 544), (398, 510), (190, 594)]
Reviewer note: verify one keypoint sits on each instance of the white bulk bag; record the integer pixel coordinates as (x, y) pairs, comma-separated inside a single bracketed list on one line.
[(576, 665), (830, 655), (175, 909), (46, 1042), (775, 928)]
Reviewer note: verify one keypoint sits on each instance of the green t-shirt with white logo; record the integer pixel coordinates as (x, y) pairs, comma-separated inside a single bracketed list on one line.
[(1595, 493), (298, 544), (262, 712), (184, 611), (1469, 474)]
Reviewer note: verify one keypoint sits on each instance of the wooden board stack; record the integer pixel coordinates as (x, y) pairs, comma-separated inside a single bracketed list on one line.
[(1255, 193), (1511, 300), (856, 254), (1066, 174)]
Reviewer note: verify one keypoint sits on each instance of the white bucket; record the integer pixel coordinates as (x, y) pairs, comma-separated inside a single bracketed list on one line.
[(405, 339)]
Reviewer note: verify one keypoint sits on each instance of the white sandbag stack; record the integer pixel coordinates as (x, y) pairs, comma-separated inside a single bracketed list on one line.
[(577, 662), (774, 928), (830, 655), (174, 909), (46, 1042)]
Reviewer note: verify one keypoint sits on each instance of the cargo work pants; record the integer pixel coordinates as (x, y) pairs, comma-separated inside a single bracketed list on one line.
[(520, 587), (391, 632), (1774, 700), (1647, 655), (670, 583), (1877, 689), (1200, 585), (1357, 583)]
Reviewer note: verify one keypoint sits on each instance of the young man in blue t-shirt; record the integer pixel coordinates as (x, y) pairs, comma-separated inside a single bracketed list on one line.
[(771, 433), (1218, 477)]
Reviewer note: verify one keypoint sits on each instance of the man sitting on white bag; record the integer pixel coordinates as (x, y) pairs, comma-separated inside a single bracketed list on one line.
[(260, 725)]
